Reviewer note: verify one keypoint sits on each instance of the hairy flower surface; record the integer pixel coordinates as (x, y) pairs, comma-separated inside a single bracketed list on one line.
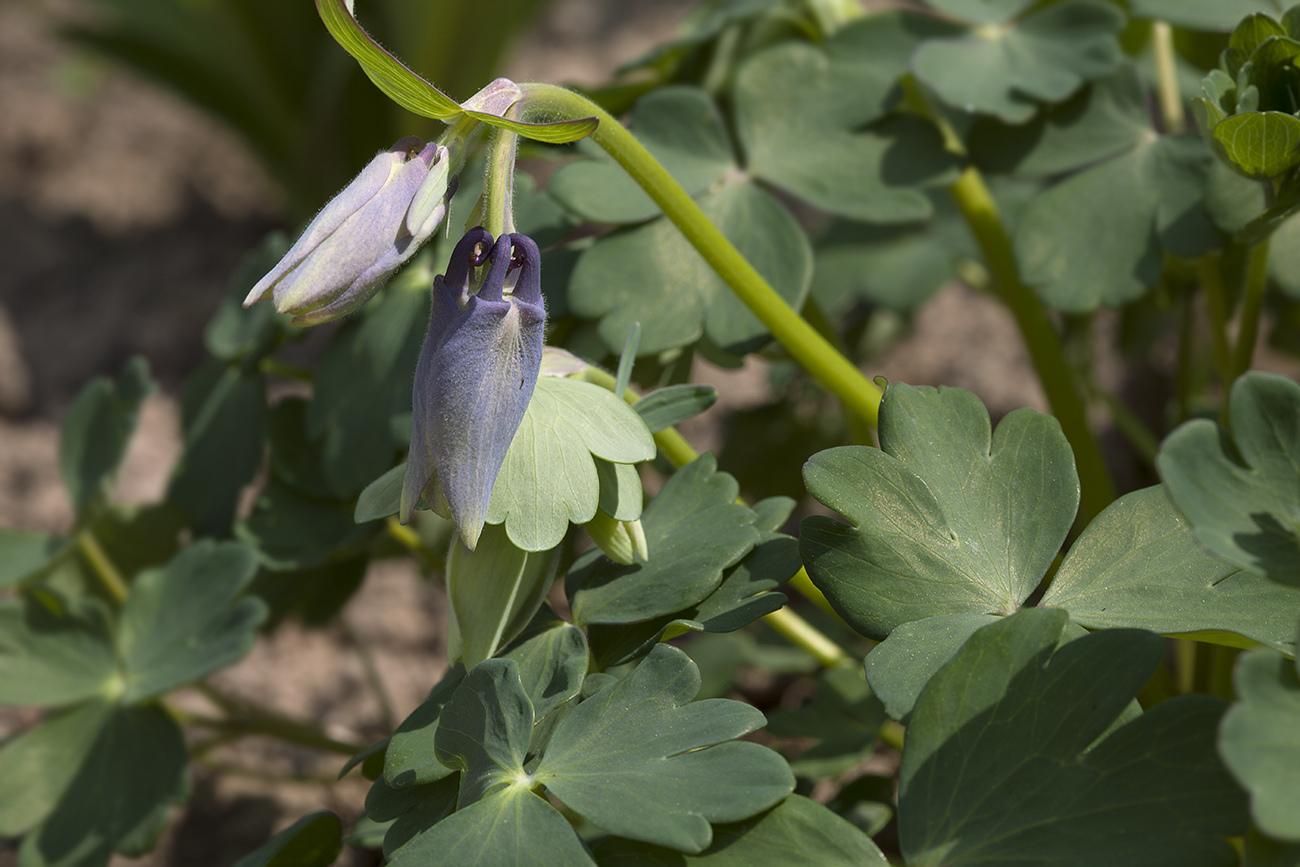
[(475, 377), (363, 235)]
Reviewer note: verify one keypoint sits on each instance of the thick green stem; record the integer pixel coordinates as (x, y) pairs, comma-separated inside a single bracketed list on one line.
[(499, 183), (981, 213), (801, 633), (1216, 307), (1252, 305), (102, 566), (1171, 101), (800, 339)]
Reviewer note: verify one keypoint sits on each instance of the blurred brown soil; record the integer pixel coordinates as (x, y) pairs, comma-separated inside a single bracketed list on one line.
[(122, 213)]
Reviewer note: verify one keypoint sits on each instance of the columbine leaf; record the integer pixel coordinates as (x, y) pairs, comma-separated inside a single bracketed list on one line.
[(1108, 116), (289, 530), (797, 832), (1045, 56), (96, 430), (54, 654), (1000, 765), (410, 758), (1258, 144), (1142, 203), (694, 530), (119, 798), (859, 163), (744, 596), (23, 553), (187, 619), (312, 841), (950, 517), (37, 766), (513, 826), (1260, 740), (900, 666), (651, 274), (1221, 15), (1137, 564), (1240, 491), (484, 730), (549, 478), (632, 760), (801, 113), (224, 415)]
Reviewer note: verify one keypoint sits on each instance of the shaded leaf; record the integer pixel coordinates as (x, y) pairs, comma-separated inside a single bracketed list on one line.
[(694, 530), (1240, 492), (493, 592), (54, 656), (187, 619), (484, 730), (24, 553), (651, 274), (900, 666), (119, 798), (1045, 56), (1260, 740), (674, 404), (1000, 763), (797, 832), (291, 531), (313, 841), (630, 759), (1137, 564), (844, 716), (96, 430), (37, 766)]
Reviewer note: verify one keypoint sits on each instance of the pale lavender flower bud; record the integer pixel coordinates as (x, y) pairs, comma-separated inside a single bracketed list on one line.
[(475, 377), (363, 235)]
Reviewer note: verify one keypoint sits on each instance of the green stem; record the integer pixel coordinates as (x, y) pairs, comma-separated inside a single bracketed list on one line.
[(1217, 308), (102, 566), (800, 339), (275, 367), (499, 183), (801, 633), (408, 538), (1252, 305), (1041, 339), (1171, 101), (244, 716)]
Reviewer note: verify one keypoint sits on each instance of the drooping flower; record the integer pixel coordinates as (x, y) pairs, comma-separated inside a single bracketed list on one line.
[(363, 235), (475, 377)]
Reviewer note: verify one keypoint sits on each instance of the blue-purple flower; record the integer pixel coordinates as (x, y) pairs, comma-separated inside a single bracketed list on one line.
[(363, 235), (475, 376)]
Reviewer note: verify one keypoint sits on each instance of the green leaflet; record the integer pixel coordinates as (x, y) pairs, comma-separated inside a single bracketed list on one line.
[(314, 840), (1136, 206), (1260, 740), (950, 517), (797, 832), (630, 758), (1004, 71), (549, 478), (1220, 15), (1138, 565), (188, 619), (96, 430), (694, 530), (1000, 763), (53, 656), (1240, 492)]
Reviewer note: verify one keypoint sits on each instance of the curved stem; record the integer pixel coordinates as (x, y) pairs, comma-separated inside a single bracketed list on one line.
[(1252, 305), (803, 634), (102, 566), (800, 339)]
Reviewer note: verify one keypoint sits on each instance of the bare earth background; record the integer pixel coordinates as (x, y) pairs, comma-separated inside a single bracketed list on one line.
[(122, 212)]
